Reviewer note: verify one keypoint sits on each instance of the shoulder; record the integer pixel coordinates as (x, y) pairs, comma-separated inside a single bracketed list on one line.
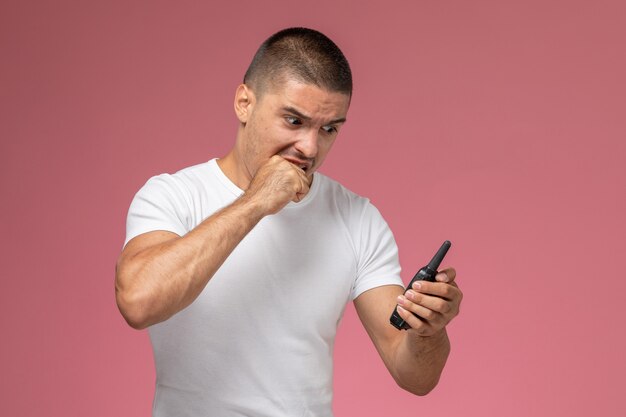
[(345, 200), (176, 193), (356, 212), (182, 182), (189, 175), (169, 202), (338, 193)]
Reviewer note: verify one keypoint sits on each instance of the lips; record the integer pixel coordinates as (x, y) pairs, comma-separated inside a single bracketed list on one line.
[(305, 166)]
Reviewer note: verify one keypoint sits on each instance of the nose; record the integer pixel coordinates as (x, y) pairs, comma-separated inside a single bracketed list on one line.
[(307, 143)]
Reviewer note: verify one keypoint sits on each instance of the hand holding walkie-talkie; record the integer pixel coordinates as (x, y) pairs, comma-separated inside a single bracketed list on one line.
[(426, 273)]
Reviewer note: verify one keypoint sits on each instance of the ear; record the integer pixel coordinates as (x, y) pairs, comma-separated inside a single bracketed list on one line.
[(244, 102)]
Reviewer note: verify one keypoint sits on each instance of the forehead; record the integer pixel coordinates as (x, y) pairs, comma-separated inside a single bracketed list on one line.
[(308, 99)]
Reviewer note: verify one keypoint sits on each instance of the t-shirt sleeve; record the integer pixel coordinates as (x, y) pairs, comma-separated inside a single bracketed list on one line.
[(158, 205), (377, 257)]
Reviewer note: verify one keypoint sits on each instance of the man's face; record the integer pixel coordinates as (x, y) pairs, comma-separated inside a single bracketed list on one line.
[(295, 120)]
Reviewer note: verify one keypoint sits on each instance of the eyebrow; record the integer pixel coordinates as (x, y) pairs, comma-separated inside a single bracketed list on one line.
[(292, 110)]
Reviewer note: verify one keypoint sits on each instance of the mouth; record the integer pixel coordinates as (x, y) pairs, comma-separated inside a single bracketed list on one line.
[(305, 166)]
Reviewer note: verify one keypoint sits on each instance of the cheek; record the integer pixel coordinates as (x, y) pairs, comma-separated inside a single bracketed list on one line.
[(277, 137), (323, 148), (325, 145), (259, 133), (270, 139)]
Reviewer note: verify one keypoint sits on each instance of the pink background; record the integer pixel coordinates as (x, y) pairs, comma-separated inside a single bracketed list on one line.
[(498, 125)]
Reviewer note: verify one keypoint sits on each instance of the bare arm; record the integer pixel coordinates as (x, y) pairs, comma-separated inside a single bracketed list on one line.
[(416, 357), (159, 273)]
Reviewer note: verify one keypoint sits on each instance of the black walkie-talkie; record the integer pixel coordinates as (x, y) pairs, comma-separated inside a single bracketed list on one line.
[(427, 273)]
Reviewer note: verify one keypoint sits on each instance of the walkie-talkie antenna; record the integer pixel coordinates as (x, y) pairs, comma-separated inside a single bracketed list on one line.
[(436, 261)]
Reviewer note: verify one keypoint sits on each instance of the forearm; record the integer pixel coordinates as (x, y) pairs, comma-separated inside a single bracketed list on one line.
[(420, 360), (159, 281)]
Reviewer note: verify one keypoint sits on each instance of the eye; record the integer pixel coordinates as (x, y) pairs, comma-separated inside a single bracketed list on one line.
[(329, 129), (293, 120)]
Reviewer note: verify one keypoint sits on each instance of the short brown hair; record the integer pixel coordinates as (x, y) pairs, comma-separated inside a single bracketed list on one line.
[(305, 54)]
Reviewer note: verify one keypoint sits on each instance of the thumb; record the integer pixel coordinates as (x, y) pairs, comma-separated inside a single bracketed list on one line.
[(446, 275)]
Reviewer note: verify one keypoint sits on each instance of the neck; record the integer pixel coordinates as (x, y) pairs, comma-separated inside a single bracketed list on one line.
[(235, 170)]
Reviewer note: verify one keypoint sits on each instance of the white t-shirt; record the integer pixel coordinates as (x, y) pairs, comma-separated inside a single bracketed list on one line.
[(258, 340)]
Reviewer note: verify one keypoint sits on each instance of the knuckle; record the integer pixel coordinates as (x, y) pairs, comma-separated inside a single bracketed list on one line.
[(455, 295), (447, 291), (422, 329), (414, 322), (451, 272), (417, 297), (428, 315), (443, 306)]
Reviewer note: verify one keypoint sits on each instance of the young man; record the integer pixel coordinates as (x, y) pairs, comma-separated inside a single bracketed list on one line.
[(242, 266)]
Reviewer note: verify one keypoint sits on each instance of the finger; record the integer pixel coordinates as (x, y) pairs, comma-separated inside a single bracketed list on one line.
[(304, 190), (422, 327), (438, 289), (304, 177), (446, 275), (432, 304), (302, 185)]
